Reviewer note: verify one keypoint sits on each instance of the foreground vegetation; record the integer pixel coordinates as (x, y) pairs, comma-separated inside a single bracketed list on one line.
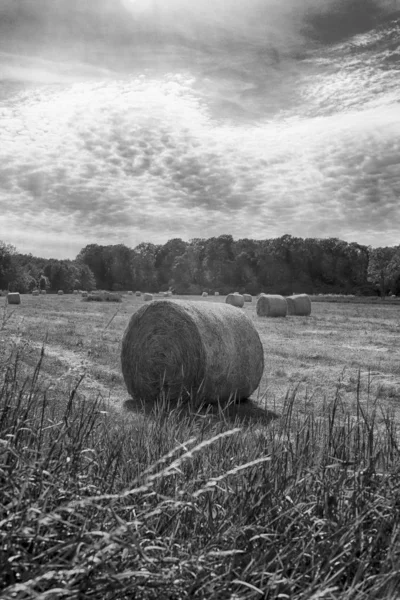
[(179, 505)]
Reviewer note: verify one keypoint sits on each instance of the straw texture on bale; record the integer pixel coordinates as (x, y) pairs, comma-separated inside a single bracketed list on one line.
[(13, 298), (43, 292), (299, 305), (148, 297), (271, 306), (60, 293), (204, 294), (138, 293), (207, 350), (235, 299), (248, 297), (35, 293)]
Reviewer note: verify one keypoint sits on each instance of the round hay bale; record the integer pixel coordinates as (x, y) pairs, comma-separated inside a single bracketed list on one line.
[(235, 299), (169, 293), (205, 294), (35, 292), (248, 297), (130, 292), (84, 294), (299, 305), (147, 297), (216, 293), (76, 292), (270, 305), (138, 293), (43, 292), (60, 293), (209, 351), (13, 298)]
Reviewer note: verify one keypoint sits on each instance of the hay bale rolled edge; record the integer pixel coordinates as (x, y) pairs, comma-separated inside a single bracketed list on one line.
[(13, 298), (299, 305), (147, 297), (235, 300), (209, 351), (271, 305)]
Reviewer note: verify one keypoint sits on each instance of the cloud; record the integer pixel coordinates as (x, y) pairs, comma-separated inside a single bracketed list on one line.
[(236, 142)]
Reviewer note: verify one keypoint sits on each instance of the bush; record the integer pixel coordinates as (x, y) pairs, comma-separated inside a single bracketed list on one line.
[(102, 297)]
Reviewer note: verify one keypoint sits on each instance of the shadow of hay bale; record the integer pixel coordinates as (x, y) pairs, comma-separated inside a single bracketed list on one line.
[(241, 414)]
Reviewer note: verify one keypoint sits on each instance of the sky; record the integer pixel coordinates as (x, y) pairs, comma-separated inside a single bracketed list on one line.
[(129, 121)]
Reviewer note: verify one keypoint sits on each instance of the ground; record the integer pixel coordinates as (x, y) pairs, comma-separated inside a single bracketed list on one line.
[(348, 349)]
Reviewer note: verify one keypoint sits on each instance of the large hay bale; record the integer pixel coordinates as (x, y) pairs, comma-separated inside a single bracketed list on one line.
[(35, 292), (147, 297), (60, 293), (299, 305), (207, 350), (235, 299), (248, 297), (138, 294), (205, 294), (270, 305), (13, 298)]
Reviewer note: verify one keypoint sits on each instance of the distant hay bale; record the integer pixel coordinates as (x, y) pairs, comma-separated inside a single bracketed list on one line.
[(130, 292), (76, 292), (216, 293), (205, 294), (299, 305), (147, 297), (35, 292), (13, 298), (235, 299), (84, 294), (270, 305), (60, 293), (169, 293), (138, 293), (208, 351), (248, 297), (43, 292)]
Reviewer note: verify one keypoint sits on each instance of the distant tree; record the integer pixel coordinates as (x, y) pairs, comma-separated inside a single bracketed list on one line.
[(7, 252), (383, 266)]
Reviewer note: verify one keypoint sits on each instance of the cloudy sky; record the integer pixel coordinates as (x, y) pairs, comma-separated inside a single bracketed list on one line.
[(124, 121)]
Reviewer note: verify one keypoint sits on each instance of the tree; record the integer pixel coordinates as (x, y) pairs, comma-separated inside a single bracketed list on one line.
[(383, 266), (7, 251)]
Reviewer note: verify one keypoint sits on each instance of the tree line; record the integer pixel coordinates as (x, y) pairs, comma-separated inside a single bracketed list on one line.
[(284, 265)]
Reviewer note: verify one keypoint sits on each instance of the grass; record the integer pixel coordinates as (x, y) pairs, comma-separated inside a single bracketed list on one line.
[(294, 495)]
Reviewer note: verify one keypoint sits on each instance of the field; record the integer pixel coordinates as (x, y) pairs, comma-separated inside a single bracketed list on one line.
[(303, 502)]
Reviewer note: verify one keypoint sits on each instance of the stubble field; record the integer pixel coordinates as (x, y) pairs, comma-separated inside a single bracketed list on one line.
[(348, 349)]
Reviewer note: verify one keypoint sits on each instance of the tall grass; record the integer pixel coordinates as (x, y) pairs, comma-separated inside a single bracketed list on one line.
[(182, 505)]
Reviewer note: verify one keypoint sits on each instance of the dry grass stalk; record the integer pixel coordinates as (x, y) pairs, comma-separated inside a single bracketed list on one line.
[(147, 297), (235, 299), (13, 298), (299, 305), (248, 297), (208, 350), (271, 306)]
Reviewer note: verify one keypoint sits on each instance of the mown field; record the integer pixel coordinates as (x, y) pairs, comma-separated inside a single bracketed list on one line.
[(293, 494)]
